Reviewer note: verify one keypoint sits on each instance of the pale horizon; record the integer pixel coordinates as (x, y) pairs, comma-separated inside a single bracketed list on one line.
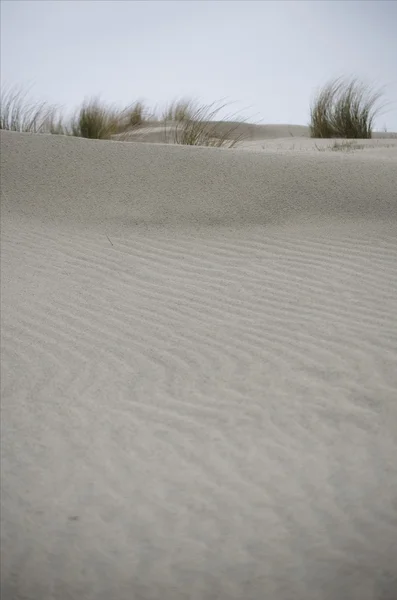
[(265, 59)]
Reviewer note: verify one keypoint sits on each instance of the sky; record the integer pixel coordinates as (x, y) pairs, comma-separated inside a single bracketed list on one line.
[(265, 59)]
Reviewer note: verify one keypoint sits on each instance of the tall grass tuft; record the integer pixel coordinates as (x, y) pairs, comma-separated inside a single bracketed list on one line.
[(19, 113), (344, 109), (136, 114), (189, 123), (95, 121), (180, 110)]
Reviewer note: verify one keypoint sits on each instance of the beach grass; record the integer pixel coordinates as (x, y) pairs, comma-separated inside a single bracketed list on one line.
[(19, 113), (344, 108), (97, 120), (189, 123)]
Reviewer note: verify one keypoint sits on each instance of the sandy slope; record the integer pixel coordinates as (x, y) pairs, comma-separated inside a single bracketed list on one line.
[(154, 132), (199, 372)]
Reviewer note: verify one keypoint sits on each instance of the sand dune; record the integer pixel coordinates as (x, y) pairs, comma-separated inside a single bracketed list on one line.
[(154, 132), (199, 371)]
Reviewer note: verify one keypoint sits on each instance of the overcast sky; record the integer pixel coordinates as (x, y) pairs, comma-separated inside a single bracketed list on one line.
[(266, 57)]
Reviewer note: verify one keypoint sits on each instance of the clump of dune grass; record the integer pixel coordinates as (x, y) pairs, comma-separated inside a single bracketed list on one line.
[(136, 114), (96, 120), (344, 109), (178, 111), (189, 123), (57, 126), (19, 113)]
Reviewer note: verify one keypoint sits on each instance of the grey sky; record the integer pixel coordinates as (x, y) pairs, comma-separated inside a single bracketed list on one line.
[(267, 57)]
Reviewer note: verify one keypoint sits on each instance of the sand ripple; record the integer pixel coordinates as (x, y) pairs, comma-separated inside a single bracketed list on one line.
[(195, 412)]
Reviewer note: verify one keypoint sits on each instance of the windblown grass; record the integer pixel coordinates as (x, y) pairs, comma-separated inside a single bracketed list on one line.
[(19, 113), (344, 109), (180, 110), (96, 120), (189, 123), (136, 114), (93, 119)]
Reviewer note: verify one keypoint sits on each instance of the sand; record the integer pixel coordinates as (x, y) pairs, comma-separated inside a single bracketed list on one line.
[(199, 370)]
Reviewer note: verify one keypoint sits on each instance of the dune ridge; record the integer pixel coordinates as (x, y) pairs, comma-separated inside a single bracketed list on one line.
[(199, 372), (130, 183)]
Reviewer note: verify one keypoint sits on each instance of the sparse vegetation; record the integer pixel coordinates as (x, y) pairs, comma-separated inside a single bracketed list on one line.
[(196, 125), (185, 122), (344, 109), (18, 113), (136, 114), (93, 119), (345, 146), (96, 121), (181, 110)]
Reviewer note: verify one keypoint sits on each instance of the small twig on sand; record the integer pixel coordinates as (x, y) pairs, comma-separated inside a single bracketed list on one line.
[(109, 239)]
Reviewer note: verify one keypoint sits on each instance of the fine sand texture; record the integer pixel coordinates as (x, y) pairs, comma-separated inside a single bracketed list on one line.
[(199, 370)]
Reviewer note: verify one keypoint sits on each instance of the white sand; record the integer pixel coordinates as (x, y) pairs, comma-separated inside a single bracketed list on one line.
[(199, 371)]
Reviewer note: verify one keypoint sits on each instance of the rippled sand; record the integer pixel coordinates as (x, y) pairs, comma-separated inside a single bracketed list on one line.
[(199, 371)]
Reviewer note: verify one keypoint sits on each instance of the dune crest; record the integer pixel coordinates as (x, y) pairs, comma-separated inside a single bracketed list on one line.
[(118, 183)]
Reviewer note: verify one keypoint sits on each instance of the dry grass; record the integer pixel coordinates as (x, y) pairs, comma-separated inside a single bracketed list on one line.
[(19, 113), (136, 114), (96, 120), (344, 109), (178, 111), (189, 123)]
